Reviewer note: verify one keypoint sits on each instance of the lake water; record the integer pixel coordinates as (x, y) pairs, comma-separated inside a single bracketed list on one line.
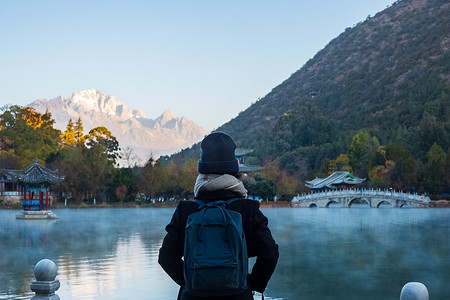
[(355, 253)]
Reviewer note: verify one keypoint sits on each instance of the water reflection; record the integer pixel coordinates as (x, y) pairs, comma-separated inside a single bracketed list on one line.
[(356, 253), (117, 275), (120, 257), (101, 254)]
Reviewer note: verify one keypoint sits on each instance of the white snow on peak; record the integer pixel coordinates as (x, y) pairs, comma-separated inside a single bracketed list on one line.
[(87, 97), (165, 135), (95, 100)]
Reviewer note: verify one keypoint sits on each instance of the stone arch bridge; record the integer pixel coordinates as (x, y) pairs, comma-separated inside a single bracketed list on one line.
[(372, 197)]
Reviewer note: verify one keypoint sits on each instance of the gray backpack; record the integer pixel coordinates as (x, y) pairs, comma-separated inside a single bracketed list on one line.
[(215, 251)]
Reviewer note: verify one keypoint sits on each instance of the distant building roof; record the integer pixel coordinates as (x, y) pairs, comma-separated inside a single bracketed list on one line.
[(340, 177), (34, 174), (240, 153)]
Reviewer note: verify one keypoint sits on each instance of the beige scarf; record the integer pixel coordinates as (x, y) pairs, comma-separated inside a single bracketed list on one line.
[(215, 182)]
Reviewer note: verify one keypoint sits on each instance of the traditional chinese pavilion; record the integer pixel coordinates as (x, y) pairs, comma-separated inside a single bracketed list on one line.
[(240, 156), (35, 182), (337, 180)]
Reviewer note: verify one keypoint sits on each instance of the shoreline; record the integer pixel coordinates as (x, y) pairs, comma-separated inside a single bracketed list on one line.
[(129, 205), (264, 204)]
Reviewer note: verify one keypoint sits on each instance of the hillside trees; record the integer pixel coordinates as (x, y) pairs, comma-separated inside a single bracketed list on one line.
[(365, 152), (387, 77), (301, 139), (303, 126), (434, 168), (418, 167), (405, 172), (341, 163)]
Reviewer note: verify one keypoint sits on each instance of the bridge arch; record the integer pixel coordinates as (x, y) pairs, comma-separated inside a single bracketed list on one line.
[(333, 204), (358, 201), (384, 203), (313, 205)]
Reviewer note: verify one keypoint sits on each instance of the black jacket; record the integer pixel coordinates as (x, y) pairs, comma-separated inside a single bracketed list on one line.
[(259, 242)]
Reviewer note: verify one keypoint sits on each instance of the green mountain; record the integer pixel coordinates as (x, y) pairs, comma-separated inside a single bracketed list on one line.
[(387, 77)]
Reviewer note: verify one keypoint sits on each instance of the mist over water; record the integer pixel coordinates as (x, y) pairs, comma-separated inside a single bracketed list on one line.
[(100, 253), (356, 253), (360, 253)]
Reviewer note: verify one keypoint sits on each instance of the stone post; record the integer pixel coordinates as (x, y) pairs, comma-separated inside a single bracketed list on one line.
[(45, 284), (414, 291)]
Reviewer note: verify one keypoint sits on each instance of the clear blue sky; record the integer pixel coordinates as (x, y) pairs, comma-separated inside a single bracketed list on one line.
[(206, 60)]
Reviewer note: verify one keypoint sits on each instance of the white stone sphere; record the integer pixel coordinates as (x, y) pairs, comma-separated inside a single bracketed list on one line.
[(45, 270), (414, 291)]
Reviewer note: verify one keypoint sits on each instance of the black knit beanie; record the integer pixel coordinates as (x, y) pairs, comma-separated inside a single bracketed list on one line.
[(218, 155)]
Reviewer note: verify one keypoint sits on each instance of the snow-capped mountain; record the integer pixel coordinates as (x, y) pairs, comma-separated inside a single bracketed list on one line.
[(162, 136)]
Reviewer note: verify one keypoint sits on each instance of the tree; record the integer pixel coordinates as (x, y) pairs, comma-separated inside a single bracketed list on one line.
[(172, 176), (365, 153), (151, 179), (123, 184), (341, 163), (357, 150), (434, 168), (380, 176), (8, 160), (68, 137), (79, 132), (121, 192), (430, 131), (129, 157), (70, 162), (88, 171), (188, 177), (262, 187), (99, 171), (446, 177), (26, 134), (286, 184), (301, 127), (404, 174), (102, 137)]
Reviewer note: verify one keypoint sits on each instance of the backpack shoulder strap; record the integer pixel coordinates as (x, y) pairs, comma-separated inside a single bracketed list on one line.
[(217, 202), (229, 201), (199, 202)]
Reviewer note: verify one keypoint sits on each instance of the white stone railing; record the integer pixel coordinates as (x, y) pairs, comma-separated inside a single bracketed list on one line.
[(45, 284), (10, 193), (398, 195)]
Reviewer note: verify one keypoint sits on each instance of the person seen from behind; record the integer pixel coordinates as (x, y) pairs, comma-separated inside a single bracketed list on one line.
[(218, 189)]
